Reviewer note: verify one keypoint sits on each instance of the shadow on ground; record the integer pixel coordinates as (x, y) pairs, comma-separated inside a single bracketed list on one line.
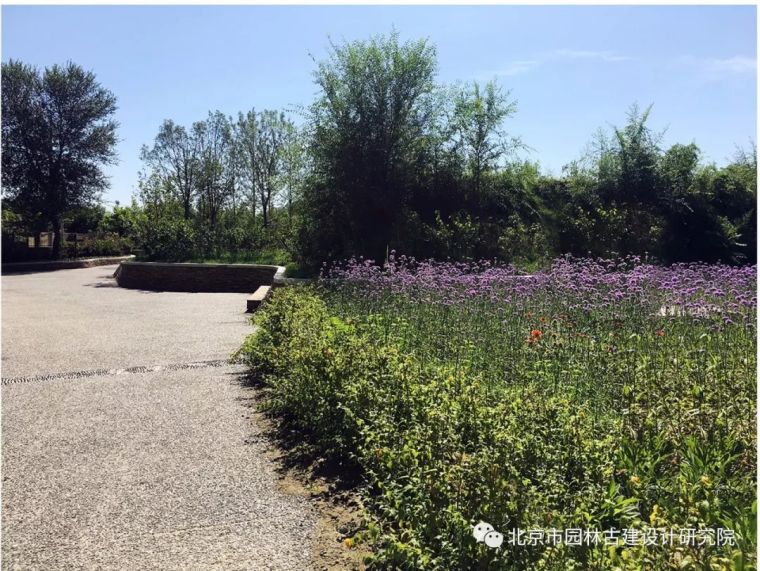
[(302, 470)]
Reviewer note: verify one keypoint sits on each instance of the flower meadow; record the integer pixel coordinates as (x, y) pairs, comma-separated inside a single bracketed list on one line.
[(594, 394)]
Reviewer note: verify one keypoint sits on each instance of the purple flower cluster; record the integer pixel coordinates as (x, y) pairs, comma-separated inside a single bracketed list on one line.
[(574, 284)]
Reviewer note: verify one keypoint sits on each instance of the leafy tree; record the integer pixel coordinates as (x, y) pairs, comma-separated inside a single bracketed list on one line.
[(246, 137), (630, 196), (264, 138), (217, 177), (84, 220), (625, 166), (12, 222), (369, 125), (477, 122), (57, 133), (636, 153), (295, 168), (175, 154), (161, 230), (677, 172), (388, 159), (122, 220), (728, 229)]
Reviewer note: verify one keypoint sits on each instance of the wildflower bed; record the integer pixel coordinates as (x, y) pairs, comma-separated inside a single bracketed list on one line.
[(595, 395)]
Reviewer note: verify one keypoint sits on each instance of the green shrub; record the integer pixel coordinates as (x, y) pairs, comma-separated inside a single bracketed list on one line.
[(440, 447), (112, 245), (167, 240)]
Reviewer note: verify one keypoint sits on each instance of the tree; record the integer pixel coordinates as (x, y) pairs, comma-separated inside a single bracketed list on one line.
[(677, 172), (246, 136), (57, 133), (370, 127), (477, 122), (161, 230), (296, 167), (274, 131), (628, 185), (217, 177), (175, 155), (84, 220), (264, 139), (122, 220), (625, 161)]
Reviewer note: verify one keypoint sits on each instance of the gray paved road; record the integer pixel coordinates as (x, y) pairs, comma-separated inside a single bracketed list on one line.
[(141, 469)]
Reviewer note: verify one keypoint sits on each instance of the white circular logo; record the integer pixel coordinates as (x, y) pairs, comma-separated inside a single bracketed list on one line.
[(494, 539), (479, 531)]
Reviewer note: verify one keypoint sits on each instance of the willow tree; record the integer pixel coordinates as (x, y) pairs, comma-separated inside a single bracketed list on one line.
[(369, 128)]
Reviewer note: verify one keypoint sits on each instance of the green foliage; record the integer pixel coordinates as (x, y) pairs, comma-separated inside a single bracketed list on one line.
[(112, 245), (170, 240), (477, 122), (122, 220), (371, 130), (84, 220), (387, 158), (12, 222), (430, 177), (631, 197), (266, 256), (452, 417), (266, 145), (227, 189), (57, 133)]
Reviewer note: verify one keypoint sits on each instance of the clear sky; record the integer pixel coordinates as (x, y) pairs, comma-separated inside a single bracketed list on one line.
[(572, 69)]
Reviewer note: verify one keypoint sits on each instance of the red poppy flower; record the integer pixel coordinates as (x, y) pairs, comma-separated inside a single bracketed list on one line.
[(536, 334)]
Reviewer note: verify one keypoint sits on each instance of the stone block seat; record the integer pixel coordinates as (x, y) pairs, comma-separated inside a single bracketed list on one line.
[(257, 297)]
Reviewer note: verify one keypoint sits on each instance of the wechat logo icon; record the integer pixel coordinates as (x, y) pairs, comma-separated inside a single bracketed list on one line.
[(485, 533)]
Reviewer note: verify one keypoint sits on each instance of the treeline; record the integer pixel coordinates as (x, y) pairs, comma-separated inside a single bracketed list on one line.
[(388, 158), (222, 186)]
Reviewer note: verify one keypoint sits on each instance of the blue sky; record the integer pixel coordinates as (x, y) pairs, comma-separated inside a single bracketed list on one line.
[(572, 69)]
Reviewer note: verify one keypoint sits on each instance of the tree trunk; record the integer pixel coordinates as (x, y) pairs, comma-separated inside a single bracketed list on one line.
[(290, 207), (57, 237)]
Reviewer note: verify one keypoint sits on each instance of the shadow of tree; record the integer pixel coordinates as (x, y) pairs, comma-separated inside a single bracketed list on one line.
[(109, 282)]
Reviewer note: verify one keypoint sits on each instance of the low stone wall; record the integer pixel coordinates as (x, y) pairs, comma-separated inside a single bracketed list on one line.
[(50, 265), (232, 278)]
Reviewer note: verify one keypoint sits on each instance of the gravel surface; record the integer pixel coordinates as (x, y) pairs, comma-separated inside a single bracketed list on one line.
[(72, 320), (141, 468)]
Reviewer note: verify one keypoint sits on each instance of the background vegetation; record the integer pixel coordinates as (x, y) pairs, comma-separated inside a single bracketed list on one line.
[(385, 158)]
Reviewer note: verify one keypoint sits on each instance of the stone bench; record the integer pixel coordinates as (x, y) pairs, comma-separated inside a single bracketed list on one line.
[(257, 298)]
